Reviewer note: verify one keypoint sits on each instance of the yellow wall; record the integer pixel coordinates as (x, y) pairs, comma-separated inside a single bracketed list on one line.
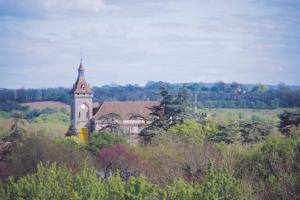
[(83, 135)]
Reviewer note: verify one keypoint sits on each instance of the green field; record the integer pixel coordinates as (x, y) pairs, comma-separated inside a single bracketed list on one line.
[(58, 123), (263, 115)]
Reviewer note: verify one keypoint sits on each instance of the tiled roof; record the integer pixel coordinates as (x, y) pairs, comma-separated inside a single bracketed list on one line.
[(81, 87), (125, 109)]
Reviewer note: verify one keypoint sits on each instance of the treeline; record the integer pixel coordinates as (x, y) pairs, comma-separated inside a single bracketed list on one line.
[(216, 95)]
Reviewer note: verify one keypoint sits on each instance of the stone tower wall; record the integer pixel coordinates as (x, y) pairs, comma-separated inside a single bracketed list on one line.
[(81, 110)]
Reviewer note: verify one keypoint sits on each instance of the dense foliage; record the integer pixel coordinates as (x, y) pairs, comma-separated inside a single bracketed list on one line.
[(102, 139), (56, 183), (206, 154)]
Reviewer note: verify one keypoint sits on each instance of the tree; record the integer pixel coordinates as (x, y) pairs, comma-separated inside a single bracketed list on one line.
[(23, 159), (104, 139), (56, 182), (171, 111), (71, 131), (137, 188), (272, 168), (227, 132), (219, 87), (191, 130), (17, 131), (289, 120), (118, 158), (112, 122), (254, 131), (219, 184), (180, 190), (259, 88)]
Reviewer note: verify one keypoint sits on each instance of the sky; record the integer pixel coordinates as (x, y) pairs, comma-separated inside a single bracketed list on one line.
[(135, 41)]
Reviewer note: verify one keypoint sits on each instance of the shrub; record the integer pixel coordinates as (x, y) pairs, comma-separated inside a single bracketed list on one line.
[(118, 158), (191, 130), (219, 184), (289, 120), (227, 132), (272, 168), (23, 159), (179, 189), (104, 139), (57, 182)]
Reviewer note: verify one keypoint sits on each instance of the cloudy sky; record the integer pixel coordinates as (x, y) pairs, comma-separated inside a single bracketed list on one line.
[(134, 41)]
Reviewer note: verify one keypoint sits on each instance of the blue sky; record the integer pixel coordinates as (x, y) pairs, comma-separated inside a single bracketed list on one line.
[(134, 41)]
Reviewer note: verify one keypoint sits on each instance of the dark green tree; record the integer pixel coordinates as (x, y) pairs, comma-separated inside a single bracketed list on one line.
[(227, 132), (112, 123), (71, 131), (17, 128), (219, 184), (252, 132), (103, 139), (289, 120), (173, 109)]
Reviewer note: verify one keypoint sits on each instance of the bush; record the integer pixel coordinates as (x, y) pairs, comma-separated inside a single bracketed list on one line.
[(56, 118), (23, 159), (103, 139), (179, 189), (218, 184), (190, 130), (227, 132), (118, 158), (272, 168), (58, 182), (289, 120), (252, 132)]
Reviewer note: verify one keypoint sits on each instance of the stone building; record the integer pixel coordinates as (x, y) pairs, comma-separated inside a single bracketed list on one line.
[(124, 118)]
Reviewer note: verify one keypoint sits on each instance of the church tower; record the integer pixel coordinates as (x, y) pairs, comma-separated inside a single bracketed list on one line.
[(81, 102)]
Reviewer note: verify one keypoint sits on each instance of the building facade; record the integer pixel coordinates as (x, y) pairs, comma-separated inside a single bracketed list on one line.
[(122, 118)]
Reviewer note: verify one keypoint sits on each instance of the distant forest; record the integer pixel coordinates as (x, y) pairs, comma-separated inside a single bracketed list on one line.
[(208, 95)]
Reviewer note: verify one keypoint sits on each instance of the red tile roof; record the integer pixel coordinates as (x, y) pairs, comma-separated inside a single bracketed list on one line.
[(81, 87), (125, 109)]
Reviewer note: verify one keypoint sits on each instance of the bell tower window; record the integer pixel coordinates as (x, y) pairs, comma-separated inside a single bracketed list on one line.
[(83, 87)]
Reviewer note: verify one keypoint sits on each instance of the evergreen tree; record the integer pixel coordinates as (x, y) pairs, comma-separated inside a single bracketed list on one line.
[(71, 131), (173, 109), (17, 131), (289, 120)]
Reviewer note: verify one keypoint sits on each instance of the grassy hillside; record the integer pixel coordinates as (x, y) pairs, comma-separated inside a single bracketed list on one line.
[(49, 117), (254, 115), (46, 104)]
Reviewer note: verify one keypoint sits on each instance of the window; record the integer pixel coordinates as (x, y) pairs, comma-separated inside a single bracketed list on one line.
[(87, 115), (79, 114), (83, 87)]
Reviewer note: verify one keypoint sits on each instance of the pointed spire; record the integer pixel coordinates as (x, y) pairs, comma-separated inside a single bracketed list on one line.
[(81, 55), (81, 68)]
